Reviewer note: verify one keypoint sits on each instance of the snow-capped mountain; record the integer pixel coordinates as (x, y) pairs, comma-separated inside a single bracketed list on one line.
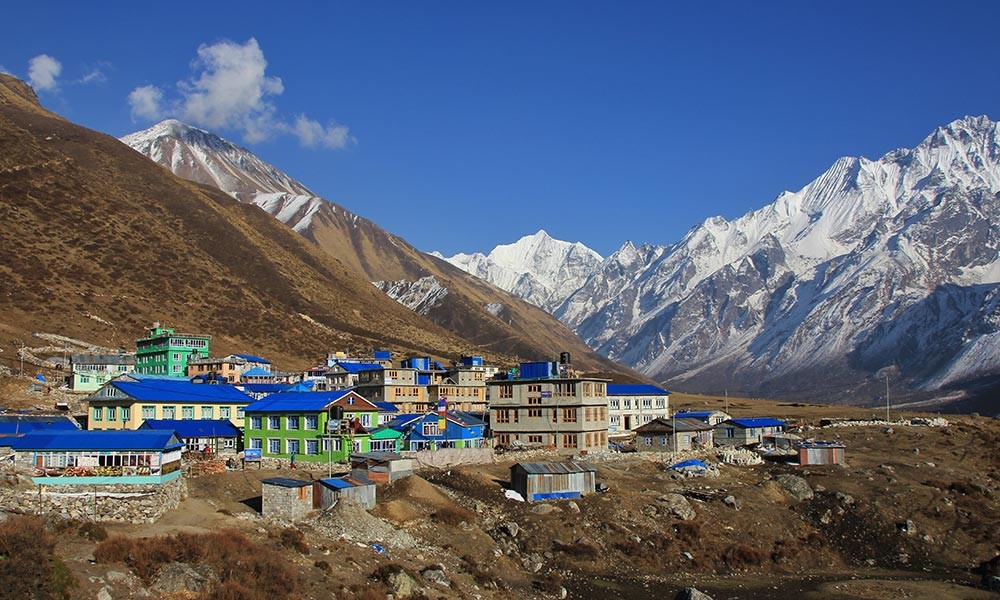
[(536, 268), (878, 268)]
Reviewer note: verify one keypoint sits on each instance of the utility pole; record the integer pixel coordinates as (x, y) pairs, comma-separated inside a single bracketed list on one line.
[(887, 397), (727, 400)]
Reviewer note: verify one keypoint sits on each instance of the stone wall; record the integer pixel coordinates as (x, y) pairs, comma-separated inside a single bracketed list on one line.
[(450, 457), (124, 503), (286, 502)]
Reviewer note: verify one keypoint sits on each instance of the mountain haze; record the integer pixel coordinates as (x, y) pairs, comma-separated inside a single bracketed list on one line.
[(467, 306)]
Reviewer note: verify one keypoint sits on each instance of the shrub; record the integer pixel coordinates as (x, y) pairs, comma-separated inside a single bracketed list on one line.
[(741, 556), (29, 567)]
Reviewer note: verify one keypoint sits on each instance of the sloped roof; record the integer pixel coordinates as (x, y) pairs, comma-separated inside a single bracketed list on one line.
[(97, 440), (20, 424), (386, 407), (553, 468), (266, 388), (252, 358), (257, 372), (755, 422), (286, 482), (661, 425), (698, 414), (179, 390), (194, 428), (635, 389), (103, 359), (352, 367), (404, 420), (299, 401)]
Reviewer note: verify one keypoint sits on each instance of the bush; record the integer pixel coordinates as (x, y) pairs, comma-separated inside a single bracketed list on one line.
[(294, 539), (741, 556), (29, 567)]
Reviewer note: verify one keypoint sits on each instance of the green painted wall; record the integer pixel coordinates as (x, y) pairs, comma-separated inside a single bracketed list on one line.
[(285, 433)]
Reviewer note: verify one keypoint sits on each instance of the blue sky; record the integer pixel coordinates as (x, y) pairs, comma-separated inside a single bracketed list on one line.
[(462, 125)]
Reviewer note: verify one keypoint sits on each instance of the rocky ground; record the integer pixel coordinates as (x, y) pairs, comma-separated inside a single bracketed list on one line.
[(915, 513)]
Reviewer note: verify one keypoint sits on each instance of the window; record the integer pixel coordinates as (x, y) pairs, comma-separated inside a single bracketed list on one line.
[(98, 413), (84, 379), (177, 368), (616, 420), (534, 439), (569, 440), (569, 416), (255, 422), (274, 423), (503, 439), (169, 412), (126, 413), (614, 403), (366, 419), (534, 401), (293, 422), (256, 443), (111, 413), (273, 446), (660, 403), (239, 412), (335, 442), (647, 403), (505, 391), (534, 412), (292, 446), (312, 422), (565, 389), (148, 412), (312, 446), (187, 412), (177, 356), (207, 412), (225, 412), (430, 428), (502, 415)]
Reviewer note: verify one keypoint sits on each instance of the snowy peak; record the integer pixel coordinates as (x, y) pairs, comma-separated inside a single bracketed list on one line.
[(537, 268), (201, 156)]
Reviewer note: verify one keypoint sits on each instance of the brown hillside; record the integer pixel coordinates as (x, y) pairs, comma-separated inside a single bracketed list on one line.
[(93, 232)]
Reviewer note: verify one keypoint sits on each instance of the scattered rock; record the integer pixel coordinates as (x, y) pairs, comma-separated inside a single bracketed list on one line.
[(542, 509), (532, 562), (178, 577), (573, 506), (435, 575), (908, 527), (827, 517), (731, 501), (104, 594), (402, 585), (797, 487), (691, 594), (678, 506), (889, 430), (511, 528), (819, 489), (844, 499)]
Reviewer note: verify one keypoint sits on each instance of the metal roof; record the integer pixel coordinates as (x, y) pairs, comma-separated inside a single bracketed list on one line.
[(192, 428), (635, 389), (257, 388), (353, 367), (102, 359), (336, 483), (286, 482), (252, 358), (386, 407), (179, 390), (19, 424), (755, 422), (661, 425), (257, 372), (97, 440), (379, 456), (821, 444), (554, 468), (698, 414), (290, 401)]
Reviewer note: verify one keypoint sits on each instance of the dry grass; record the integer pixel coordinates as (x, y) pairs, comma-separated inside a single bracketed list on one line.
[(29, 568)]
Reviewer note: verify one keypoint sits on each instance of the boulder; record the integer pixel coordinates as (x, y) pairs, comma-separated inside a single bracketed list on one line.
[(402, 585), (691, 594), (511, 528), (796, 487), (178, 577), (678, 506), (542, 509), (435, 575), (731, 502)]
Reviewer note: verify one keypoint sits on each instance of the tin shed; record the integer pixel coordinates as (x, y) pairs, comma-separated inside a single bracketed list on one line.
[(821, 453), (356, 488), (381, 467), (553, 480)]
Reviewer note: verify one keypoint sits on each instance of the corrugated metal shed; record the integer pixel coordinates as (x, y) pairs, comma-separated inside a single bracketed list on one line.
[(755, 422), (553, 480)]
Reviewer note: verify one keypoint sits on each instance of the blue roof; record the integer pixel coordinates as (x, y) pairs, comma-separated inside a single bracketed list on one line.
[(265, 388), (179, 390), (97, 440), (635, 389), (386, 406), (757, 422), (336, 483), (18, 424), (355, 367), (402, 421), (287, 482), (257, 372), (296, 401), (192, 428), (252, 358)]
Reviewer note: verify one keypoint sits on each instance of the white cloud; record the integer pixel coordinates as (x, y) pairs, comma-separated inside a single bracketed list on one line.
[(312, 133), (43, 71), (96, 75), (146, 102), (4, 70), (231, 89)]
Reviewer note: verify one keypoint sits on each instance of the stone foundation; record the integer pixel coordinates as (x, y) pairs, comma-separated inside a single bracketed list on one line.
[(122, 503)]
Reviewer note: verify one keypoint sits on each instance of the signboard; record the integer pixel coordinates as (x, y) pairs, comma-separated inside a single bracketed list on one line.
[(546, 394), (442, 413), (251, 454)]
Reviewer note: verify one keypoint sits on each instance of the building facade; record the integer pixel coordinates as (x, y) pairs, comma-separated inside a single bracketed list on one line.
[(558, 412), (633, 405), (88, 372), (164, 352)]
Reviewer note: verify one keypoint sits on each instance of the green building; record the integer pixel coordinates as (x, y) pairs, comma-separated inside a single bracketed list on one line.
[(163, 352), (314, 426), (88, 372)]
